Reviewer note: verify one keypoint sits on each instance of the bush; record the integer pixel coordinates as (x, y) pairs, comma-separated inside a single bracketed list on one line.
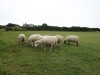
[(8, 28)]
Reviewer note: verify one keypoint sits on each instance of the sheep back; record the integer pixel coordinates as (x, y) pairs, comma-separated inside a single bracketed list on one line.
[(33, 38), (47, 40), (59, 38), (72, 38)]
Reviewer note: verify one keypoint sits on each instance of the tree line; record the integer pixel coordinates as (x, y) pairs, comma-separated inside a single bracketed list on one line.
[(45, 27)]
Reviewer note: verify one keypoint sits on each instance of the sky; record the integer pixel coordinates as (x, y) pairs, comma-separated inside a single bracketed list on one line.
[(63, 13)]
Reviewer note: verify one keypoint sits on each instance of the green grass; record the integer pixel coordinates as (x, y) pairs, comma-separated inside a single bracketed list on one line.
[(64, 60)]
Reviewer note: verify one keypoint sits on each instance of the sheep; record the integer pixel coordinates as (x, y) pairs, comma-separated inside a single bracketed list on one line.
[(21, 39), (47, 40), (59, 39), (33, 38), (72, 38)]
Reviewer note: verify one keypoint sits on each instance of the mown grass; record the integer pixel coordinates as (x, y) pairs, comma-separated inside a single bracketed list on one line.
[(64, 60)]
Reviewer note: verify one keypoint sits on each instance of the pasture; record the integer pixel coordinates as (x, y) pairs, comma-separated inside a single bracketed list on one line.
[(63, 60)]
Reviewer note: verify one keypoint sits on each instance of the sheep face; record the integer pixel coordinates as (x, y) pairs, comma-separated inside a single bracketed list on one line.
[(36, 44), (23, 40)]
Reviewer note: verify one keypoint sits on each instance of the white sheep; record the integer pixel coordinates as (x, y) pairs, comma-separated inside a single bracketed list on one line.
[(72, 38), (59, 39), (21, 39), (33, 38), (47, 40)]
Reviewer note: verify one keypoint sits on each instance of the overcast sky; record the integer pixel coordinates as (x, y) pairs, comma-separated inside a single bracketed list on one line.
[(84, 13)]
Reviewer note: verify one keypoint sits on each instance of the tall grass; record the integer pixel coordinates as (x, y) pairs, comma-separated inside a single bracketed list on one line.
[(64, 60)]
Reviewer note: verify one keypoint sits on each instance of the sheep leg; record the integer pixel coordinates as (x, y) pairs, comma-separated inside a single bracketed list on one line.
[(19, 42), (64, 41), (77, 43), (32, 43), (44, 47), (51, 47), (69, 42), (54, 47)]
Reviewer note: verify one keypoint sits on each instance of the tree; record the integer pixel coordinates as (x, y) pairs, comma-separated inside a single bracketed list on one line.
[(44, 25), (11, 25)]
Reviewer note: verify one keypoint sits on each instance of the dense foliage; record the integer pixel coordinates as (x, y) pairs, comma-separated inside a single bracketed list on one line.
[(45, 27), (55, 28)]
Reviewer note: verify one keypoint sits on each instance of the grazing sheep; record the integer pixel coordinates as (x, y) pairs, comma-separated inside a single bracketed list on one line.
[(34, 38), (72, 38), (21, 39), (47, 40), (59, 39)]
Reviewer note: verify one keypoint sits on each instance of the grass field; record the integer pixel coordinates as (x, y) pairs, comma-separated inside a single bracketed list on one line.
[(64, 60)]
